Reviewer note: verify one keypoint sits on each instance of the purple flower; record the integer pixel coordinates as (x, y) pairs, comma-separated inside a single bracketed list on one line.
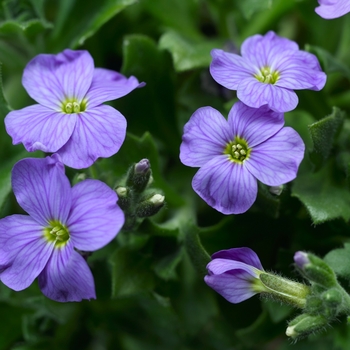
[(330, 9), (301, 259), (252, 144), (61, 219), (234, 273), (70, 118), (268, 71)]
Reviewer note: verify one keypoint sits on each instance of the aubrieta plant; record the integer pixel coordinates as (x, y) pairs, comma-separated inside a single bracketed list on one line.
[(128, 186)]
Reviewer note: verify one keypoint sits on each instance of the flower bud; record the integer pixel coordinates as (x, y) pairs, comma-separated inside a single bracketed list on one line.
[(315, 269), (124, 199), (139, 175), (305, 324), (276, 190), (151, 206)]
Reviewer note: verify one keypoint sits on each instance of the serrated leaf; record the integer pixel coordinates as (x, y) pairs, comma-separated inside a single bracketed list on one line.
[(323, 134), (131, 273), (188, 54), (339, 261), (324, 197)]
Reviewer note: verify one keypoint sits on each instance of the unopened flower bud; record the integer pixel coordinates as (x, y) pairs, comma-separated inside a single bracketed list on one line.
[(124, 199), (139, 175), (305, 324), (157, 199), (315, 269), (151, 206), (142, 166), (276, 190)]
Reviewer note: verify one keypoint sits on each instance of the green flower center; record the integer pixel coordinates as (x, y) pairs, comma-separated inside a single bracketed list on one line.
[(57, 233), (237, 150), (73, 106), (267, 76)]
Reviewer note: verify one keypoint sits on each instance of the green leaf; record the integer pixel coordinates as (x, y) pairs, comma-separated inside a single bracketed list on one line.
[(77, 21), (323, 194), (198, 255), (250, 7), (166, 267), (188, 54), (155, 102), (339, 261), (329, 63), (131, 272), (323, 134)]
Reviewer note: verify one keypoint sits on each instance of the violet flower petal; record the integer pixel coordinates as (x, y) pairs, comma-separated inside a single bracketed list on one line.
[(252, 124), (225, 185), (95, 218), (299, 70), (218, 266), (205, 136), (109, 85), (229, 69), (23, 251), (67, 276), (256, 94), (42, 189), (244, 255), (276, 161), (332, 9), (99, 132), (50, 79), (40, 128), (260, 50), (235, 288)]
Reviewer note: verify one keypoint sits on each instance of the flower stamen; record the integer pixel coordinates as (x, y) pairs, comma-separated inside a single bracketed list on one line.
[(73, 106), (267, 76), (237, 150), (57, 233)]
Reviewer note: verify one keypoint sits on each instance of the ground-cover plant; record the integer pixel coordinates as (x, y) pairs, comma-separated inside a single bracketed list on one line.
[(175, 174)]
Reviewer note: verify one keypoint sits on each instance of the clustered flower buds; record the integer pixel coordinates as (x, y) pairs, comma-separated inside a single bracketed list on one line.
[(135, 198)]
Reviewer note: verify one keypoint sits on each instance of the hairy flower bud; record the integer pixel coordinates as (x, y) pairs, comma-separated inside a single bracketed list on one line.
[(139, 175), (150, 206)]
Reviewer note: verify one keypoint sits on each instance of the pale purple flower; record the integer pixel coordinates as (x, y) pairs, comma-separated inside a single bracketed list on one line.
[(234, 274), (70, 118), (301, 259), (269, 69), (330, 9), (233, 154), (61, 219)]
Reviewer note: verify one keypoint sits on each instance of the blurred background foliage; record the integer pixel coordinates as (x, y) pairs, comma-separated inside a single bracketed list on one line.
[(149, 283)]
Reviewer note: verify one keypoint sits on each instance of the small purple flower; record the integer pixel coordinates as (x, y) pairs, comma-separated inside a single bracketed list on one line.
[(234, 274), (70, 118), (233, 154), (330, 9), (62, 219), (268, 71)]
